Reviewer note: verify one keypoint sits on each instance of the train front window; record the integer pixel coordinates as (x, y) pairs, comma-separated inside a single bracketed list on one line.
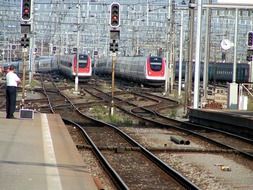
[(83, 57), (82, 64), (83, 61), (156, 63)]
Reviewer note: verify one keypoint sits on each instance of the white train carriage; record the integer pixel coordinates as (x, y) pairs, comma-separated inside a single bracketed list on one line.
[(46, 64), (18, 65), (147, 70)]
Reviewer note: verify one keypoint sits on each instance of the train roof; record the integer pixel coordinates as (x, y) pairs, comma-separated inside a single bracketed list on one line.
[(6, 64), (45, 57)]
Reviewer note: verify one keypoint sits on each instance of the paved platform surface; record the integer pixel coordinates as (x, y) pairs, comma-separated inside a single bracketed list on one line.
[(239, 122), (235, 118), (40, 154)]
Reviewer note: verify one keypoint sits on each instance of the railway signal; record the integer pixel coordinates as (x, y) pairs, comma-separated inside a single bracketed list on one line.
[(25, 41), (250, 39), (115, 15), (249, 55), (114, 47), (26, 10)]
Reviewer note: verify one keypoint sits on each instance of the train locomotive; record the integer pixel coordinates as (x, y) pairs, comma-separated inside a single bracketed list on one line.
[(146, 70), (221, 72), (68, 63)]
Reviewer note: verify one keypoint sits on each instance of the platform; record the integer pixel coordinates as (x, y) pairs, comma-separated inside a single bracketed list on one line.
[(233, 120), (40, 154)]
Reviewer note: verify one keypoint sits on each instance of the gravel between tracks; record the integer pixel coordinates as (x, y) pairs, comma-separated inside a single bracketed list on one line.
[(204, 169)]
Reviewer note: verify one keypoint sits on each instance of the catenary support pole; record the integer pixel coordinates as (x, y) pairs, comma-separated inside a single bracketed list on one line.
[(207, 51), (197, 57), (167, 77), (180, 54), (188, 73), (235, 44)]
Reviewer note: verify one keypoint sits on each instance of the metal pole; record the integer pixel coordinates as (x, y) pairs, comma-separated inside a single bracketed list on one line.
[(113, 81), (197, 57), (172, 52), (24, 51), (147, 13), (188, 97), (3, 56), (10, 50), (31, 45), (207, 51), (78, 46), (168, 47), (41, 47), (235, 45), (180, 54)]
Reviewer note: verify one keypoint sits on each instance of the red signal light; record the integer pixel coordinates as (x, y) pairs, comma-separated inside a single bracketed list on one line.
[(26, 10), (115, 15)]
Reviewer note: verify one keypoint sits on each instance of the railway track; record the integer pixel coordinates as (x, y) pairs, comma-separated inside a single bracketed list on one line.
[(131, 165), (150, 114)]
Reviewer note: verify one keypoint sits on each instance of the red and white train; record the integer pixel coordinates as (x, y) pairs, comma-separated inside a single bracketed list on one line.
[(146, 70), (68, 63)]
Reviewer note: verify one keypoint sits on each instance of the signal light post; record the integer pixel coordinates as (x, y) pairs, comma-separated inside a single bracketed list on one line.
[(26, 19), (114, 38)]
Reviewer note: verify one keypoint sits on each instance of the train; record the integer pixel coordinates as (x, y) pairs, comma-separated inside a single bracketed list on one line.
[(44, 64), (67, 65), (221, 72), (147, 70), (18, 65)]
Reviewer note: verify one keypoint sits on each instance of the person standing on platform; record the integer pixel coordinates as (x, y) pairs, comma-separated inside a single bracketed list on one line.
[(12, 81)]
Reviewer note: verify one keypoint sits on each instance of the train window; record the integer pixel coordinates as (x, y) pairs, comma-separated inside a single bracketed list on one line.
[(156, 63), (156, 59), (82, 64), (156, 66), (82, 57)]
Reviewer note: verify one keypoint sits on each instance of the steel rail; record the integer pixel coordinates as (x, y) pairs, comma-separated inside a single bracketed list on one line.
[(162, 165), (179, 123), (118, 182), (166, 168), (45, 92)]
